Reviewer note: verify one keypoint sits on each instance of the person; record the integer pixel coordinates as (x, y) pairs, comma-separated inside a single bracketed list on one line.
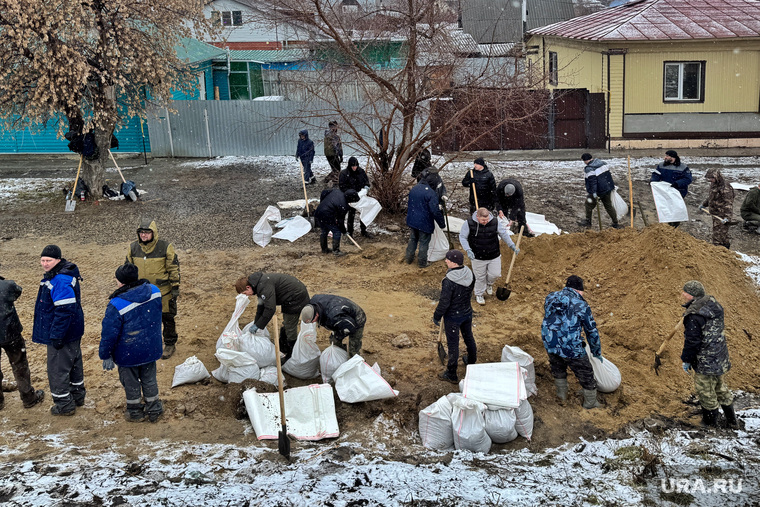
[(599, 186), (12, 342), (434, 181), (479, 237), (343, 317), (354, 177), (705, 351), (720, 204), (305, 153), (421, 162), (672, 171), (510, 204), (566, 313), (484, 185), (157, 262), (130, 338), (333, 151), (331, 216), (421, 215), (750, 210), (455, 308), (275, 289), (59, 324)]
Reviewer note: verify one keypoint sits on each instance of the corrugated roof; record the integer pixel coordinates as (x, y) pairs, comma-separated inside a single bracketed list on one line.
[(658, 20), (267, 56), (500, 21), (194, 51)]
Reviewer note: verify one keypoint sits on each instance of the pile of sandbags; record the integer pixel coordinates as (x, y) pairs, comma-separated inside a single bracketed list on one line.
[(525, 360), (237, 364)]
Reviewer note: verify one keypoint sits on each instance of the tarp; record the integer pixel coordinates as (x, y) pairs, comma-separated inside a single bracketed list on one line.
[(669, 203), (496, 384)]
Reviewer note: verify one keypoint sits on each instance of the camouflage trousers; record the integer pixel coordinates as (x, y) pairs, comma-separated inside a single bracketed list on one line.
[(711, 391), (720, 235)]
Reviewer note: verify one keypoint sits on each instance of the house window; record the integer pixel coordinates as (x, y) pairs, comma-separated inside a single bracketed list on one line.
[(684, 82), (239, 81), (227, 18), (553, 70)]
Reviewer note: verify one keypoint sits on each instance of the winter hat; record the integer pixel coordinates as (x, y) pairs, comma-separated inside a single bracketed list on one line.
[(127, 273), (672, 153), (307, 314), (455, 256), (586, 157), (574, 282), (352, 161), (52, 251), (694, 288), (509, 189), (480, 161), (352, 195), (712, 173)]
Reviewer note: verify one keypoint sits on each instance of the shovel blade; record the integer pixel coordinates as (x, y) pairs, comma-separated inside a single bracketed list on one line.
[(442, 355), (283, 442), (71, 205), (657, 364), (503, 293)]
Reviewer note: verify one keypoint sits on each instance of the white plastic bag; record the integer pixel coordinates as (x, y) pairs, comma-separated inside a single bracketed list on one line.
[(262, 231), (621, 208), (330, 360), (222, 374), (500, 384), (357, 381), (607, 375), (258, 346), (436, 428), (237, 374), (439, 245), (469, 424), (368, 209), (231, 333), (304, 361), (525, 360), (189, 372), (524, 419), (230, 358), (295, 228), (500, 425), (269, 375), (669, 203)]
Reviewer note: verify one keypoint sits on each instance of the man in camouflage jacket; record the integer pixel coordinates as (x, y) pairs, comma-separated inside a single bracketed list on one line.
[(720, 204), (705, 351)]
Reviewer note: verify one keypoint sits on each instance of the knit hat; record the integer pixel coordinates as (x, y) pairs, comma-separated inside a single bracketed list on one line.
[(672, 153), (455, 256), (574, 282), (509, 189), (127, 273), (52, 251), (586, 157), (307, 314), (694, 288), (480, 161)]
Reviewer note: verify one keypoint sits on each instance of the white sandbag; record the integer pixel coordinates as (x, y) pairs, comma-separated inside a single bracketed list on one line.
[(436, 428), (741, 186), (607, 375), (469, 424), (304, 361), (269, 375), (237, 374), (368, 208), (500, 384), (525, 360), (500, 425), (454, 225), (330, 360), (298, 204), (258, 346), (439, 245), (539, 225), (189, 372), (669, 203), (295, 228), (524, 419), (262, 231), (230, 358), (231, 333), (222, 374), (309, 413), (621, 208), (357, 381)]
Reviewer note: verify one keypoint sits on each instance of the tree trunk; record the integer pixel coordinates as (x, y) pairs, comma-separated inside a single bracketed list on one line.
[(94, 171)]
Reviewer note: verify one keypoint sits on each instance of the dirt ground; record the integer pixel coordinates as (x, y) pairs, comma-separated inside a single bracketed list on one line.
[(633, 281)]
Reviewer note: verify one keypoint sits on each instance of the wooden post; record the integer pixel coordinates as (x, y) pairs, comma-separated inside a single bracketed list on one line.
[(630, 189)]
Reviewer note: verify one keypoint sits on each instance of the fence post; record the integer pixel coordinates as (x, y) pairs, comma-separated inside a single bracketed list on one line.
[(169, 124), (208, 134)]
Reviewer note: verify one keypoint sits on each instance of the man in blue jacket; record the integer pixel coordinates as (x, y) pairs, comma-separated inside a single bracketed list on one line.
[(566, 314), (59, 324), (131, 339), (599, 186), (672, 171), (305, 153), (421, 215)]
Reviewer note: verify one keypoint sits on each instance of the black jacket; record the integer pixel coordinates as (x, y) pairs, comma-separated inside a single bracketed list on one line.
[(485, 185), (513, 206), (338, 314), (484, 239), (704, 340), (275, 289), (352, 179), (456, 292), (332, 209), (10, 325)]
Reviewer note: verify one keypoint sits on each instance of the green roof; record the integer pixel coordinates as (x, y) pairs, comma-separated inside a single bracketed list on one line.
[(194, 51), (268, 56)]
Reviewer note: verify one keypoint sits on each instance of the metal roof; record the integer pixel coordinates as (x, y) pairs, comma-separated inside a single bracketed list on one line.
[(500, 21), (267, 55), (661, 20), (194, 51)]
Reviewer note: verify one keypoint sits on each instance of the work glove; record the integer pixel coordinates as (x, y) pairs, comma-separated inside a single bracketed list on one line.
[(470, 254), (175, 291), (702, 208), (515, 249), (366, 187), (253, 329), (108, 364), (436, 322), (600, 358), (590, 199), (686, 367), (595, 196), (674, 185), (57, 344)]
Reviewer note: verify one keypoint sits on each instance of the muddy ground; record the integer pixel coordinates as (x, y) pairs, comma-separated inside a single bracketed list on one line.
[(633, 280)]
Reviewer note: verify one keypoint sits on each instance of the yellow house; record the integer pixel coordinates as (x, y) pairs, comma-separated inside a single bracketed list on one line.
[(675, 73)]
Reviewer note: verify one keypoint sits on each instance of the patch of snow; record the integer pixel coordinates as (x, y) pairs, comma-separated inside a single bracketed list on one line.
[(11, 188), (753, 268)]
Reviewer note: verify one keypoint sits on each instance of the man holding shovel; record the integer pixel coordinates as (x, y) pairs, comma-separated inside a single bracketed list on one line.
[(719, 204), (482, 186), (599, 187)]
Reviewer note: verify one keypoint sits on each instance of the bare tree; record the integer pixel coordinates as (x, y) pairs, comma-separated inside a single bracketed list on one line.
[(91, 63), (407, 64)]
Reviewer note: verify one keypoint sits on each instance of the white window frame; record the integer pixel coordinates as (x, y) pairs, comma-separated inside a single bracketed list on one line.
[(680, 66)]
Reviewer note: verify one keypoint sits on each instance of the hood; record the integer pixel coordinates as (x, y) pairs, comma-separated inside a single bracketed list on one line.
[(475, 217), (148, 224), (462, 276), (706, 306), (139, 292), (254, 280), (353, 161), (596, 163), (352, 195), (64, 268), (715, 173), (304, 133)]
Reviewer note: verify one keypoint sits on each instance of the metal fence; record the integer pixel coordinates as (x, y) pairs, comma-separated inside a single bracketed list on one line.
[(213, 128)]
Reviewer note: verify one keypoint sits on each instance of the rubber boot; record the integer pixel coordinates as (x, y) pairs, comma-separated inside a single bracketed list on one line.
[(135, 412), (323, 244), (731, 422), (561, 385), (709, 417), (336, 248), (589, 399)]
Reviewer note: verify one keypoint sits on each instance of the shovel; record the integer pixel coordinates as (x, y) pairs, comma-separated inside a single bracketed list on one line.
[(474, 192), (442, 355), (132, 194), (502, 293), (305, 197), (71, 199), (657, 362), (725, 221), (283, 442)]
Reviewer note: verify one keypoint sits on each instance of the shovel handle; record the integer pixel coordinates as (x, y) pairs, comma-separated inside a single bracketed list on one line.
[(352, 241), (514, 255), (117, 166), (76, 180), (279, 368), (672, 333), (440, 332), (305, 197), (474, 192)]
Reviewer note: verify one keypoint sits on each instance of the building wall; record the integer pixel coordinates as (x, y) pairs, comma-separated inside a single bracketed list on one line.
[(252, 30)]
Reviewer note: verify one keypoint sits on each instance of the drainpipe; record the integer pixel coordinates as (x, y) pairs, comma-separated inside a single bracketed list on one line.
[(227, 49)]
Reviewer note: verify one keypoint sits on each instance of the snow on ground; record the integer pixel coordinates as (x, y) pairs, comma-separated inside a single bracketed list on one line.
[(12, 188), (685, 468), (753, 268)]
